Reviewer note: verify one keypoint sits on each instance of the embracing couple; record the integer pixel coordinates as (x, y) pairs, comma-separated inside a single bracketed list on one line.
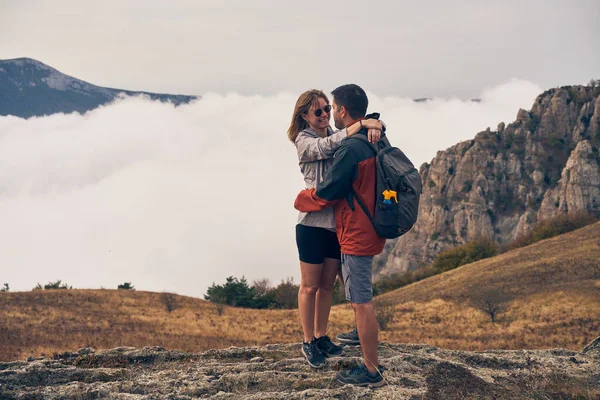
[(333, 235)]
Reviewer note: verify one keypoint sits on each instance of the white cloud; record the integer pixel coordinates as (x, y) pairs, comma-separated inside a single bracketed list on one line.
[(176, 198)]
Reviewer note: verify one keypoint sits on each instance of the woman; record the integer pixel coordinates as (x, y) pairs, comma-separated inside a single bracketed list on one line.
[(317, 242)]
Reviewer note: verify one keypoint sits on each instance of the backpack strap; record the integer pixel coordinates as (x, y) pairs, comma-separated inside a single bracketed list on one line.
[(355, 195), (361, 204), (363, 138)]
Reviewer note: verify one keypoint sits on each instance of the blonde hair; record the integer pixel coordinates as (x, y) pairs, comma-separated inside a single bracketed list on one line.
[(303, 104)]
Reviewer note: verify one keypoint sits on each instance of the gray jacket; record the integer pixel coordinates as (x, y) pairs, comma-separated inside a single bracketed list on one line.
[(315, 156)]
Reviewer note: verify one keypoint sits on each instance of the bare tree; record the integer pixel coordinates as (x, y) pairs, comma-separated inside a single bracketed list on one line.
[(286, 294), (384, 312), (491, 301), (219, 301), (261, 286), (169, 301)]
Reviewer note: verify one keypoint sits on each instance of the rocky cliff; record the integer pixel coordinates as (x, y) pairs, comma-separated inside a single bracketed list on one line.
[(31, 88), (280, 372), (502, 182)]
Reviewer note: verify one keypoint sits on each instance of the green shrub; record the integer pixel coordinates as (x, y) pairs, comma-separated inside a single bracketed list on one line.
[(53, 285), (449, 259), (126, 286), (533, 122), (475, 250), (553, 227), (235, 292), (585, 120), (492, 215), (582, 95), (264, 294)]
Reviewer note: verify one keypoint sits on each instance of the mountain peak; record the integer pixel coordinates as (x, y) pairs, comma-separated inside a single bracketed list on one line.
[(24, 62), (29, 87)]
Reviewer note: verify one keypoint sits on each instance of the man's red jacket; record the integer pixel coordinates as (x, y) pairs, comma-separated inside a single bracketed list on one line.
[(353, 169)]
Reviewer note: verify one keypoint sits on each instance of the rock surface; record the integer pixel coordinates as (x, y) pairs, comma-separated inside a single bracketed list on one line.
[(500, 184), (279, 372)]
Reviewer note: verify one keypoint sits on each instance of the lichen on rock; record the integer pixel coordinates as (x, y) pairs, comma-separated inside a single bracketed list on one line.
[(279, 371)]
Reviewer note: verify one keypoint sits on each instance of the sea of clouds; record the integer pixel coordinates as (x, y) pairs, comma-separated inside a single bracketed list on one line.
[(176, 198)]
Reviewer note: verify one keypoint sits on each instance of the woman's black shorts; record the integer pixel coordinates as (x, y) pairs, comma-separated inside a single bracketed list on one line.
[(316, 244)]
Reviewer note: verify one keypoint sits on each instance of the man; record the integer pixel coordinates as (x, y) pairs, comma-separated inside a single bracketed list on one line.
[(353, 174)]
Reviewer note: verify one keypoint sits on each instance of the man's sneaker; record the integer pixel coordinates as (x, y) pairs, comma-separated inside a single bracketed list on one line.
[(360, 376), (328, 348), (313, 355), (349, 337)]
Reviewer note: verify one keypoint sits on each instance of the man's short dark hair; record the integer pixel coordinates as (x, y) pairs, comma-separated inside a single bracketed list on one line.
[(353, 98)]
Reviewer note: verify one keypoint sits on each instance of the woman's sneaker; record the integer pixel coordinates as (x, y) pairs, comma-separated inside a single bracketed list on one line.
[(313, 355), (360, 376), (349, 337), (328, 348)]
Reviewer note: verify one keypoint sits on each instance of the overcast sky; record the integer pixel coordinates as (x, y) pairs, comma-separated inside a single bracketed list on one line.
[(406, 48), (177, 198)]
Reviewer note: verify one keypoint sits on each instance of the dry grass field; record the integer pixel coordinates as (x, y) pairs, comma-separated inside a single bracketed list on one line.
[(553, 287)]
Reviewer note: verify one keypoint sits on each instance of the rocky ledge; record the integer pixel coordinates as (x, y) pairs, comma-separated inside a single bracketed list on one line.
[(279, 372)]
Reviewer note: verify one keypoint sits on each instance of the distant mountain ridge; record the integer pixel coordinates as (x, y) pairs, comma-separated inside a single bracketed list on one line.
[(31, 88)]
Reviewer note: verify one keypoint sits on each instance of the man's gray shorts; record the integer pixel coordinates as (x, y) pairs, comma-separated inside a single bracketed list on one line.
[(358, 278)]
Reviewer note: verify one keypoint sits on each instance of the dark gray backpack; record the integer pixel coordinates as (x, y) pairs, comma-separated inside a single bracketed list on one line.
[(394, 214)]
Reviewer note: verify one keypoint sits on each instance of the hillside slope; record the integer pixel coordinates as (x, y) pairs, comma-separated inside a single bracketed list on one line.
[(554, 287)]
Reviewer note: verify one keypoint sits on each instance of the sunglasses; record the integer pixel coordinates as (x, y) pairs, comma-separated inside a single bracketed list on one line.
[(320, 111)]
